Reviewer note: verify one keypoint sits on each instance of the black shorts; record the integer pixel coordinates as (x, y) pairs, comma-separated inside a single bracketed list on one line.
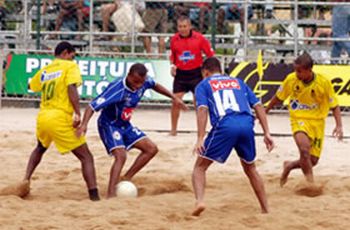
[(186, 80)]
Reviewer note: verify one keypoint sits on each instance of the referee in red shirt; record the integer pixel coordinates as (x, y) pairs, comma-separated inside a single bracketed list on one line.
[(186, 60)]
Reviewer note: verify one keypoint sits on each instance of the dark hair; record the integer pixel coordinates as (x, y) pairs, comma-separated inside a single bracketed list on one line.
[(182, 18), (304, 60), (139, 69), (62, 46), (212, 64)]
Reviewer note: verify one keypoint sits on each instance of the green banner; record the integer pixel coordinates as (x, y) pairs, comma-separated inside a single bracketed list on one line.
[(97, 73)]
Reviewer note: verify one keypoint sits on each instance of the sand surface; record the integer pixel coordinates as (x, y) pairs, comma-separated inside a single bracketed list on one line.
[(58, 197)]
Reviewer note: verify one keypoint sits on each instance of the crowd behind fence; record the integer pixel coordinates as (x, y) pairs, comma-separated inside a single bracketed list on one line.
[(121, 28)]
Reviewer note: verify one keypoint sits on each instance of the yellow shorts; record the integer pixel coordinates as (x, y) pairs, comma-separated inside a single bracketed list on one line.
[(56, 125), (315, 131)]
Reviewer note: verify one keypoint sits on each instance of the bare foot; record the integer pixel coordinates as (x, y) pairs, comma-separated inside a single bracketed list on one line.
[(172, 133), (111, 194), (200, 207), (20, 189), (285, 173)]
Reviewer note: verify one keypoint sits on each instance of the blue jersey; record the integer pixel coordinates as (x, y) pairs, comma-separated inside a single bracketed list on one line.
[(224, 95), (118, 101)]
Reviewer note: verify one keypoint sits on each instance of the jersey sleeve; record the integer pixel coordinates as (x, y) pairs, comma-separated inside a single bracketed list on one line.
[(172, 51), (251, 97), (332, 97), (201, 96), (112, 94), (206, 47), (150, 83), (73, 76), (284, 90), (35, 82)]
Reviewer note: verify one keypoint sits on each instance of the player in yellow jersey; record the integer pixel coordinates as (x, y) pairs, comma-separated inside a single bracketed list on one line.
[(59, 114), (310, 95)]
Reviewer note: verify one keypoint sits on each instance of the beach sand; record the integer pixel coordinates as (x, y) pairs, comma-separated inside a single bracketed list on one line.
[(58, 198)]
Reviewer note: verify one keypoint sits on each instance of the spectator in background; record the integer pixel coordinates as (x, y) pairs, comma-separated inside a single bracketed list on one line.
[(106, 12), (3, 13), (340, 29), (232, 12), (78, 8), (155, 16), (199, 13), (187, 47)]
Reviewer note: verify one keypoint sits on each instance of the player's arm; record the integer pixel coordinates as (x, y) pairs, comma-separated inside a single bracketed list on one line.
[(274, 101), (84, 124), (74, 99), (261, 115), (172, 59), (162, 90), (338, 130), (206, 47), (202, 119)]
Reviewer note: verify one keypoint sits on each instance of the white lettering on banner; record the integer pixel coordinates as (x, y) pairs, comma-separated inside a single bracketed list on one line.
[(89, 87), (114, 69), (103, 65), (228, 101), (117, 71), (32, 63), (93, 68), (84, 67), (101, 86)]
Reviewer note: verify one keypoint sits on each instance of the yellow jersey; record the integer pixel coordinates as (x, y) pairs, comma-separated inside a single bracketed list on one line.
[(52, 81), (309, 101)]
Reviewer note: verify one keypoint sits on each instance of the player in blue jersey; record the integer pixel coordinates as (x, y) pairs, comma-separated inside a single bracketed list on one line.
[(118, 135), (228, 101)]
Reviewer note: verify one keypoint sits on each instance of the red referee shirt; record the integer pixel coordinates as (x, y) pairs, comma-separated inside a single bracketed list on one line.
[(186, 52)]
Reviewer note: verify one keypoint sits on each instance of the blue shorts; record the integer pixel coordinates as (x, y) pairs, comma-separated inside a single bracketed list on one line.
[(232, 132), (114, 136)]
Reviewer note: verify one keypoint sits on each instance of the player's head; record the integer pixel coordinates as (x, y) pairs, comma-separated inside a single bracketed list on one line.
[(303, 67), (65, 50), (137, 76), (184, 26), (211, 66)]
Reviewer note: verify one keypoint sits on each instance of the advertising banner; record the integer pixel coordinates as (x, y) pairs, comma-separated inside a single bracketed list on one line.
[(266, 85), (97, 73)]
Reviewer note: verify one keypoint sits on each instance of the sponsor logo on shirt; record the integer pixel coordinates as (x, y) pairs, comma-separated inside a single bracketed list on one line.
[(296, 105), (49, 76), (127, 113), (186, 56), (224, 84)]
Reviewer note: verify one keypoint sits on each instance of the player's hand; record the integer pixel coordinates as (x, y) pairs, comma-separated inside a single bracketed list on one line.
[(178, 102), (269, 142), (81, 131), (173, 70), (338, 133), (76, 120), (199, 147)]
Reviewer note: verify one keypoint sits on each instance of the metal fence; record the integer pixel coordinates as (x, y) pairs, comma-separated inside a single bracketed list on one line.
[(281, 29)]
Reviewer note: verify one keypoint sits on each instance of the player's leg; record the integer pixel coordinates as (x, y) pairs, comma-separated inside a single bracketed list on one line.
[(288, 166), (148, 151), (34, 160), (304, 145), (198, 183), (118, 164), (257, 184), (175, 114), (88, 169)]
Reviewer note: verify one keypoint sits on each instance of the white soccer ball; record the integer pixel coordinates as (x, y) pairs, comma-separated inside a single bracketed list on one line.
[(126, 189)]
